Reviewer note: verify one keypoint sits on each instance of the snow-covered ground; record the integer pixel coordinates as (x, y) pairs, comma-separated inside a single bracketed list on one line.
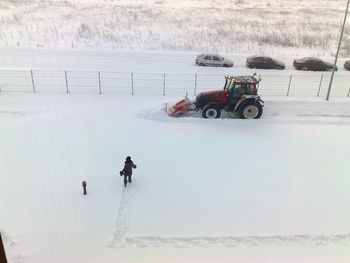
[(227, 190), (263, 191), (299, 27)]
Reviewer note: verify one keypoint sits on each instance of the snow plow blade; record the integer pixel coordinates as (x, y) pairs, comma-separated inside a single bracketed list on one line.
[(181, 108)]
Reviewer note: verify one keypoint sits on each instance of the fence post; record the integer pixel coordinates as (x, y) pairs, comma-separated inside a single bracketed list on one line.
[(164, 84), (290, 82), (319, 87), (195, 85), (349, 93), (132, 83), (2, 251), (31, 74), (99, 82), (65, 74)]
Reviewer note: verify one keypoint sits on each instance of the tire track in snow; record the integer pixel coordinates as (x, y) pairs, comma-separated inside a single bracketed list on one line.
[(234, 241), (121, 225)]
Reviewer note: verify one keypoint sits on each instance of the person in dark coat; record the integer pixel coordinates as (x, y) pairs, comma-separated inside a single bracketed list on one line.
[(127, 170)]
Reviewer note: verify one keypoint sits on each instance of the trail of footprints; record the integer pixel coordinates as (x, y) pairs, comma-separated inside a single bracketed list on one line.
[(119, 238), (232, 241), (121, 225)]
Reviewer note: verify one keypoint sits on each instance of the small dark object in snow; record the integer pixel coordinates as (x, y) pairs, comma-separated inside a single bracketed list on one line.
[(84, 187)]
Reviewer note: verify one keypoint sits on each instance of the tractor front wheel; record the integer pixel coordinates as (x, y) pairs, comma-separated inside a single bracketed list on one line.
[(250, 110), (211, 112)]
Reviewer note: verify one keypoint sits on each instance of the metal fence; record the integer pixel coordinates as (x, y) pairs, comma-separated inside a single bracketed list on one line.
[(107, 82)]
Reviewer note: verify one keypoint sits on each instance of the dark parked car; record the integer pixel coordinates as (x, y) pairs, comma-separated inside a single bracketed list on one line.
[(264, 63), (314, 64), (347, 65)]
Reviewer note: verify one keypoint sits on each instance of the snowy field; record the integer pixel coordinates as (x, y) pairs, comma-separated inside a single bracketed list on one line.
[(299, 27), (227, 190)]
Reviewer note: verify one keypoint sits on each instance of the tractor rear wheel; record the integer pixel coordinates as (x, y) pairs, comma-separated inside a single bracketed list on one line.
[(250, 110), (211, 111)]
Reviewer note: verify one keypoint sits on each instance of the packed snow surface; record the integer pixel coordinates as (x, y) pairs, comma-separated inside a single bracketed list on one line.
[(224, 190)]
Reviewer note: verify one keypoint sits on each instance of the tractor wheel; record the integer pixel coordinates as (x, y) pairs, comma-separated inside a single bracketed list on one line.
[(250, 110), (211, 111)]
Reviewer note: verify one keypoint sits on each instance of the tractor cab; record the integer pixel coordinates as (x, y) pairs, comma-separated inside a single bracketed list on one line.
[(239, 86)]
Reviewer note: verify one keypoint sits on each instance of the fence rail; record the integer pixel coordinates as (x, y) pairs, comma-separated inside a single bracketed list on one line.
[(108, 82)]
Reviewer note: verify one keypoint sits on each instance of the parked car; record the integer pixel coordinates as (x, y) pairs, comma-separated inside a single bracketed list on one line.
[(314, 64), (213, 59), (262, 62), (347, 65)]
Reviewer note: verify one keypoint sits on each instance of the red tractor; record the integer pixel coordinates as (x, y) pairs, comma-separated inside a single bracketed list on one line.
[(240, 95)]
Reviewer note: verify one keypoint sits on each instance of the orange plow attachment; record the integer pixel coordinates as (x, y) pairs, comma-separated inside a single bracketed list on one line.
[(181, 108)]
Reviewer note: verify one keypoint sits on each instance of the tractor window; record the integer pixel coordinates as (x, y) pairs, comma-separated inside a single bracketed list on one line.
[(244, 89), (250, 89), (228, 85), (239, 90)]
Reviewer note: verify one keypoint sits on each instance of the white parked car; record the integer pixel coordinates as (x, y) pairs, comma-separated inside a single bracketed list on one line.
[(213, 60)]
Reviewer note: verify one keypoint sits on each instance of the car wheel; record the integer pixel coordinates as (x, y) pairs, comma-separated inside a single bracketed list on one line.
[(201, 64), (250, 110), (304, 68), (211, 111), (279, 68), (225, 66)]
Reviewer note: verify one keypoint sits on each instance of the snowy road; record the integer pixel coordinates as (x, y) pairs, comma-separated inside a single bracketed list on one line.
[(147, 76), (124, 61)]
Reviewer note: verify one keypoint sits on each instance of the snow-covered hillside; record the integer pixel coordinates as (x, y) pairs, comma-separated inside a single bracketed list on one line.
[(304, 27)]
